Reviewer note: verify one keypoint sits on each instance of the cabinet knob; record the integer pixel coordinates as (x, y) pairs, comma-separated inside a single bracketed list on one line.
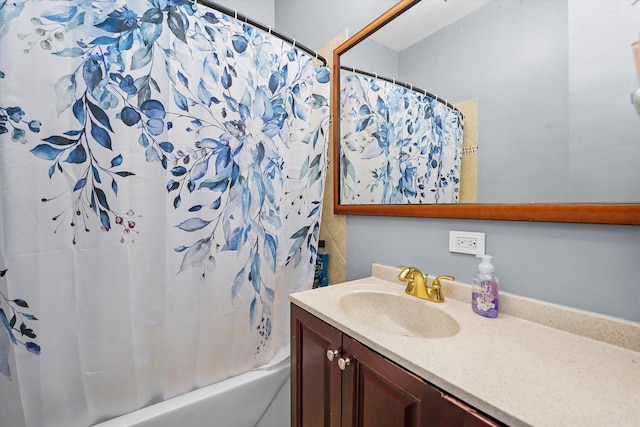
[(331, 354), (343, 363)]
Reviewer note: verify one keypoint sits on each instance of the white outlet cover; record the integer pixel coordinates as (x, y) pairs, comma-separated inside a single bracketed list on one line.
[(455, 235)]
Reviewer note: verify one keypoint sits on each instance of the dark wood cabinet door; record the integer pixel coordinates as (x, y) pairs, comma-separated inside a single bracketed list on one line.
[(378, 393), (315, 381)]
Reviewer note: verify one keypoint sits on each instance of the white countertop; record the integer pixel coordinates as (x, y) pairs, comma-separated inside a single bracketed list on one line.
[(518, 371)]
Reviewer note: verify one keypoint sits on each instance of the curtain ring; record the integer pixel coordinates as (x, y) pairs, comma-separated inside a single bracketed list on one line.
[(411, 86), (269, 27), (294, 43), (235, 13), (394, 81), (316, 55)]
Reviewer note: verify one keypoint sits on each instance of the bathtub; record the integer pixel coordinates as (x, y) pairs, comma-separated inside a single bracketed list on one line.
[(257, 398)]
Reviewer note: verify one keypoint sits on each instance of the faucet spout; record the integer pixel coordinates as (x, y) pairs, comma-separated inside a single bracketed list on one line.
[(416, 282)]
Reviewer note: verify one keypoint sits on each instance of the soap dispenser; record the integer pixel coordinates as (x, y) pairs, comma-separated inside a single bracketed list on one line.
[(484, 293)]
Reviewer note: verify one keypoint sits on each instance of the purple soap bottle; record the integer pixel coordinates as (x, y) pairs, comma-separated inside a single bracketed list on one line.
[(484, 292)]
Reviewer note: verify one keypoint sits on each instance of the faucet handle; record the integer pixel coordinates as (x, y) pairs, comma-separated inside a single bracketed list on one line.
[(435, 290), (436, 281)]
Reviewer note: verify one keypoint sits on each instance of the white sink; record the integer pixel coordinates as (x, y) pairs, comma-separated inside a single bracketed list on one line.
[(398, 314)]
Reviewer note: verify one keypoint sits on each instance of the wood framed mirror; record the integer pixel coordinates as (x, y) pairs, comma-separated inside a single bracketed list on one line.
[(596, 212)]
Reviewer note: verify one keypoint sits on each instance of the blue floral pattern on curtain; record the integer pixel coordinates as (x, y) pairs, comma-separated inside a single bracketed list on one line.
[(397, 145), (14, 318), (235, 118)]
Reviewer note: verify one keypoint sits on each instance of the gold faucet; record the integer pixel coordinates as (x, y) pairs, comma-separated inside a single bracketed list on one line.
[(417, 284)]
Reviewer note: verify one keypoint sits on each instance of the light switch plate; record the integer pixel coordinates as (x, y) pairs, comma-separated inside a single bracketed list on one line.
[(466, 242)]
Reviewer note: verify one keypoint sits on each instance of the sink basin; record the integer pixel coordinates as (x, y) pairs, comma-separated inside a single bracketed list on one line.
[(400, 315)]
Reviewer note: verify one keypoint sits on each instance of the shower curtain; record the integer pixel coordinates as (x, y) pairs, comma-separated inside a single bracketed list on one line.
[(161, 174), (397, 145)]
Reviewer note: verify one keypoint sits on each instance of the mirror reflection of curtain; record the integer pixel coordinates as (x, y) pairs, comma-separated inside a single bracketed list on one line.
[(397, 145), (162, 171)]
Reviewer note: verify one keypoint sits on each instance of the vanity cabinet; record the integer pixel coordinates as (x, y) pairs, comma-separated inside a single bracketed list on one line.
[(360, 387)]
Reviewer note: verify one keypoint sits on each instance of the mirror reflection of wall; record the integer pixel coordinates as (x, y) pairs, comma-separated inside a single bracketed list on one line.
[(552, 80)]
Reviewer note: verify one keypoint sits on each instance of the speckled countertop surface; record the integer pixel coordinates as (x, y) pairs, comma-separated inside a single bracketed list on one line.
[(521, 369)]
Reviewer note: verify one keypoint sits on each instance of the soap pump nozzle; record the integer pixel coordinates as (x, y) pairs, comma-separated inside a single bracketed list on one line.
[(485, 266)]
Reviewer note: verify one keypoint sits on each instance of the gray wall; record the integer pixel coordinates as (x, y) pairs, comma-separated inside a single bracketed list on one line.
[(586, 266), (263, 11), (315, 22)]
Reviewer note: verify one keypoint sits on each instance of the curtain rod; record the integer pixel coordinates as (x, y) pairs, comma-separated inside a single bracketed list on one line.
[(238, 16), (406, 85)]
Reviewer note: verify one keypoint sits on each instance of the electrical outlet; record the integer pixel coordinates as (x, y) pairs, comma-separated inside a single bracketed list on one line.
[(466, 242)]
